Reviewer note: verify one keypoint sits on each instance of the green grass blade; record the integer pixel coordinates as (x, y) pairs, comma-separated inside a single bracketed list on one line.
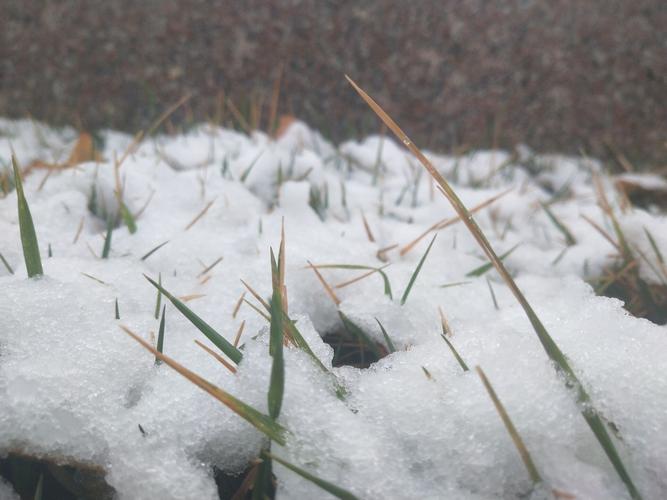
[(116, 310), (654, 245), (249, 168), (569, 238), (416, 272), (356, 331), (128, 218), (261, 422), (220, 342), (6, 264), (158, 302), (261, 489), (455, 353), (509, 425), (387, 339), (277, 380), (153, 250), (107, 239), (553, 351), (336, 491), (484, 268), (33, 262), (160, 336)]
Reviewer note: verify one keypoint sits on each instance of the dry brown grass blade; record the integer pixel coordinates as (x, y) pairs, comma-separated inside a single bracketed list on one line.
[(208, 268), (257, 310), (238, 305), (326, 285), (450, 221), (222, 360), (257, 296), (382, 253), (369, 233), (511, 430), (359, 278), (239, 332), (604, 233), (247, 483), (446, 329), (199, 215), (191, 297), (78, 231), (260, 421)]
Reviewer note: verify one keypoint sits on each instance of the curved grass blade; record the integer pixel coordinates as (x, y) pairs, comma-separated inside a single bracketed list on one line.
[(220, 342), (484, 268), (416, 272), (153, 250), (336, 491), (514, 434), (387, 339), (33, 262), (379, 270), (589, 413), (261, 422)]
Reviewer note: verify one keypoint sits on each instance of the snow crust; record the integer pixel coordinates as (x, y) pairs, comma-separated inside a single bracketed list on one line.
[(73, 387)]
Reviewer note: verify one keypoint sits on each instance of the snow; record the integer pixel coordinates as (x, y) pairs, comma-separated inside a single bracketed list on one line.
[(74, 387)]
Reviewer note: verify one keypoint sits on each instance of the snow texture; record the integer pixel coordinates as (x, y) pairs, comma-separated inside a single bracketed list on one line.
[(74, 387)]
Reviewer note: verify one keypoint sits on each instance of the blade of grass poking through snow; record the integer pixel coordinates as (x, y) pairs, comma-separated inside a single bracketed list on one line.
[(33, 262), (107, 239), (484, 268), (220, 342), (569, 239), (261, 422), (379, 270), (117, 312), (249, 168), (516, 438), (6, 264), (128, 218), (158, 302), (387, 339), (413, 278), (153, 250), (277, 380), (336, 491), (589, 413), (39, 490), (160, 336), (654, 246)]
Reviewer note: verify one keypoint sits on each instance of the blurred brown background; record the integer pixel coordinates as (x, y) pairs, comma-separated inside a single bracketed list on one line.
[(558, 75)]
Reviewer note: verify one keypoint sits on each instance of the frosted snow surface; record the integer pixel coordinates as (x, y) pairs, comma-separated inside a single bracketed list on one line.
[(74, 388)]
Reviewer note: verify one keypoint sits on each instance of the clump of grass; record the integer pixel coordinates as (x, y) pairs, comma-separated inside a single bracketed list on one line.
[(589, 412), (33, 261), (261, 422)]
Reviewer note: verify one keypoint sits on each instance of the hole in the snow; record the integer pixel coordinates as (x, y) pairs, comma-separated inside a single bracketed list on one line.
[(61, 481), (353, 351), (640, 298)]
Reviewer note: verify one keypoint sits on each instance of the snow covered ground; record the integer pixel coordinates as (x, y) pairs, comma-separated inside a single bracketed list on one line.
[(74, 387)]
